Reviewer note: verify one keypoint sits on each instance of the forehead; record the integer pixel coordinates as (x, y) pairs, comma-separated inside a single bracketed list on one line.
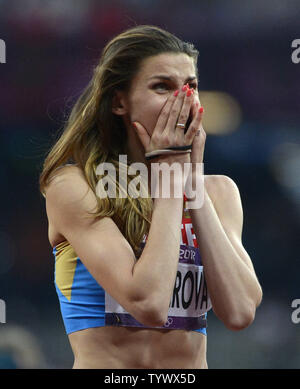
[(172, 64)]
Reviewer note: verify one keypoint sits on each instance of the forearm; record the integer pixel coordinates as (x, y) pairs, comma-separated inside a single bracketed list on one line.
[(232, 285), (155, 272)]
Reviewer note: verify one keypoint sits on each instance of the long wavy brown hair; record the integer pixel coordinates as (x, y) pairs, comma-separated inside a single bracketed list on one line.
[(93, 134)]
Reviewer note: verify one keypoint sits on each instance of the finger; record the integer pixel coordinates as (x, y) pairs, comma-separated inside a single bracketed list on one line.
[(164, 114), (184, 115), (142, 134), (175, 110), (195, 126), (195, 106)]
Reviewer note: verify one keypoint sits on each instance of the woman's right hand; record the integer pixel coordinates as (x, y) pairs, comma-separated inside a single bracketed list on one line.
[(166, 132)]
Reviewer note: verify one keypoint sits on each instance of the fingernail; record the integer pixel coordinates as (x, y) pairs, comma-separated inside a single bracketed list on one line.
[(184, 88), (201, 109), (134, 125), (189, 92), (176, 93)]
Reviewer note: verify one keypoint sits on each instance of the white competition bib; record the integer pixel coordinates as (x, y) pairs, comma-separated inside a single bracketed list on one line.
[(189, 303)]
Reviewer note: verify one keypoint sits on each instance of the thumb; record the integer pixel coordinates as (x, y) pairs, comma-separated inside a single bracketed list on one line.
[(142, 134)]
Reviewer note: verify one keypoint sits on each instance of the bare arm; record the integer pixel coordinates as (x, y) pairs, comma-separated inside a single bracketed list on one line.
[(234, 289), (142, 287)]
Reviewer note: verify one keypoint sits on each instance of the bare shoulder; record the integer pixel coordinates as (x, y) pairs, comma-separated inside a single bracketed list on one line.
[(68, 195), (221, 188), (218, 180), (225, 196), (67, 183), (62, 174)]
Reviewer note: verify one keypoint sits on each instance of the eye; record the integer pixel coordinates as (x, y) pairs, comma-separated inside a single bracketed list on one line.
[(193, 85), (161, 85)]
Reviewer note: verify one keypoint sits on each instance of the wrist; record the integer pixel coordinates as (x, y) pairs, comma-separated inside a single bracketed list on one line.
[(197, 168), (167, 183), (194, 191)]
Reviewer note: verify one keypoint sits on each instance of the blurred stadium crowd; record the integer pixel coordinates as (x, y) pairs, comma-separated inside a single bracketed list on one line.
[(250, 89)]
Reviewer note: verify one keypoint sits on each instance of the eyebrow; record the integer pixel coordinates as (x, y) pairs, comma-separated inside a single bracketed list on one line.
[(164, 77)]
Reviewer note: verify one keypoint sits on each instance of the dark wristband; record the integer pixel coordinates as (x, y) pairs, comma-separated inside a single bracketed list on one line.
[(188, 147)]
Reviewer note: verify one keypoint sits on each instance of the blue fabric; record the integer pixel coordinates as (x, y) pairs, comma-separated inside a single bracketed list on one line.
[(86, 308)]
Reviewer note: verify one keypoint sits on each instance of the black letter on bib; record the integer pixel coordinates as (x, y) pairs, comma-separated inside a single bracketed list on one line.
[(198, 292), (176, 289), (204, 296), (185, 304)]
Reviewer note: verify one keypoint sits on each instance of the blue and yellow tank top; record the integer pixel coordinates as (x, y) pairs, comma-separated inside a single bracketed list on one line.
[(85, 304)]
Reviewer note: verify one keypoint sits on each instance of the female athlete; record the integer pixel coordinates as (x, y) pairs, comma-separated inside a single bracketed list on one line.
[(136, 275)]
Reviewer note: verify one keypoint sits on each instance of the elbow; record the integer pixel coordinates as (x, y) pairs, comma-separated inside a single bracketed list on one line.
[(240, 321), (239, 324), (150, 315), (245, 316), (153, 319), (260, 296)]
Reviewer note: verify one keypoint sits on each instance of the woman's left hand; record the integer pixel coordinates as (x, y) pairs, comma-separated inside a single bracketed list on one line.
[(200, 137)]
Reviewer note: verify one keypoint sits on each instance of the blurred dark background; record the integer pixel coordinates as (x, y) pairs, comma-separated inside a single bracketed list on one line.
[(250, 89)]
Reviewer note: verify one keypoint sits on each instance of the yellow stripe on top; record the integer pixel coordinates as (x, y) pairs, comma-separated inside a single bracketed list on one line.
[(65, 266)]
